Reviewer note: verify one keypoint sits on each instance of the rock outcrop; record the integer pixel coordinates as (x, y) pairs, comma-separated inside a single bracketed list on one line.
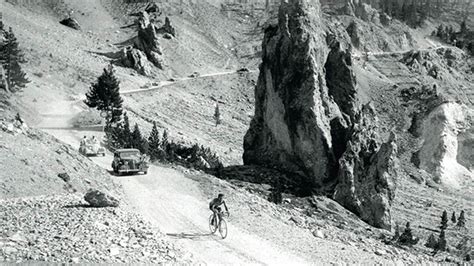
[(147, 40), (306, 108), (99, 199), (441, 133), (367, 171), (136, 59), (167, 28)]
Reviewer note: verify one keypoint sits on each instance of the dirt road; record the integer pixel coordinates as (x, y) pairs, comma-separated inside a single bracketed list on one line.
[(175, 205)]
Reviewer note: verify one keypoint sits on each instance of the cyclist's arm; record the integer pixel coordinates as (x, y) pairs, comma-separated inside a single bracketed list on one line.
[(225, 205)]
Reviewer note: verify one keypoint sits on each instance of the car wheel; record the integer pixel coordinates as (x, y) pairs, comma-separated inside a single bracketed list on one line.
[(145, 172)]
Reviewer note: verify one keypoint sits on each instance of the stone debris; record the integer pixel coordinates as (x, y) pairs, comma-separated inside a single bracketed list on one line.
[(58, 229)]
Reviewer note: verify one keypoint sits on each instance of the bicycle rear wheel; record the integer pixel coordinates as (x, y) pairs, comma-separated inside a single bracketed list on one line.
[(212, 225), (223, 228)]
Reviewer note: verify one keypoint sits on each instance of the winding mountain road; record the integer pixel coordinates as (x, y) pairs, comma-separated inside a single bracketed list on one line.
[(174, 204)]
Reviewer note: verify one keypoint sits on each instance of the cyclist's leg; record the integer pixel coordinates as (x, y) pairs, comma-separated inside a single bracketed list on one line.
[(219, 214)]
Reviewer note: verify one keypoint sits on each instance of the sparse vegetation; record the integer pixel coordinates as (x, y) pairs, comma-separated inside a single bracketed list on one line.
[(441, 246), (12, 77), (461, 219), (154, 144), (444, 220), (463, 39), (104, 95), (431, 242), (407, 238), (119, 135), (453, 218), (217, 115)]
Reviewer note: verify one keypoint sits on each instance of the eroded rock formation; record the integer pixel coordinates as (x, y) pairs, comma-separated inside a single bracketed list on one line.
[(367, 172), (147, 40), (441, 134), (167, 28), (136, 59), (308, 120)]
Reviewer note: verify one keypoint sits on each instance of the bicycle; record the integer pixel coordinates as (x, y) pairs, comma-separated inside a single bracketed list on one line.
[(222, 226)]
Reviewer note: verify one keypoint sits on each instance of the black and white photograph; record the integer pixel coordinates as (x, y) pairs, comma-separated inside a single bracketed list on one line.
[(237, 132)]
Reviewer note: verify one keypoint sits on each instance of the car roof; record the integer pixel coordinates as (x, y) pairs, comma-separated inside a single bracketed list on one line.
[(126, 150)]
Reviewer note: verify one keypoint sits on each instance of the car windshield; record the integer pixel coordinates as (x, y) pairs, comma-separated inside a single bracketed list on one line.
[(129, 154)]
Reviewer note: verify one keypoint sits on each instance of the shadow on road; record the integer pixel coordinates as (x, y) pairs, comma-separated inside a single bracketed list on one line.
[(193, 236)]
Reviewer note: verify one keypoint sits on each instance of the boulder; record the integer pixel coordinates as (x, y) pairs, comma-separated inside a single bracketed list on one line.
[(308, 120), (71, 23), (136, 59), (147, 40), (99, 199)]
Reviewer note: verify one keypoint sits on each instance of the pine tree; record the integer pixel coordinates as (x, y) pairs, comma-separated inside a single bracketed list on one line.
[(431, 242), (407, 236), (444, 220), (154, 145), (453, 218), (113, 134), (396, 236), (105, 95), (441, 246), (217, 115), (463, 27), (136, 139), (440, 32), (1, 23), (164, 140), (126, 138), (461, 219), (10, 58)]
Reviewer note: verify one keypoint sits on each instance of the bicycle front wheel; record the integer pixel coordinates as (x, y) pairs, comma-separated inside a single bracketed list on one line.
[(212, 224), (223, 228)]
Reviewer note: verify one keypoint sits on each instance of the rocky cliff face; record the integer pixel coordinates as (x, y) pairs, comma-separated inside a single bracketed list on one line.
[(306, 111)]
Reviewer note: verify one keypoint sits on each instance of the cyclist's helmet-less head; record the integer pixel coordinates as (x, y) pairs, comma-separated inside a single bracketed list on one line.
[(220, 196)]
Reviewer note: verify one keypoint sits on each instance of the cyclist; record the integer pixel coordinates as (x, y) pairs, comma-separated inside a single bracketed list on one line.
[(214, 206)]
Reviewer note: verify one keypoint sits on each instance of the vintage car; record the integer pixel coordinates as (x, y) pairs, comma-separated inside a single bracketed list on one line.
[(91, 147), (129, 161)]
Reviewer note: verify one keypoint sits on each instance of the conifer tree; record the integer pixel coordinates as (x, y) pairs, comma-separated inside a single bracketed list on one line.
[(407, 236), (1, 23), (126, 138), (441, 246), (217, 115), (10, 58), (164, 140), (104, 95), (453, 218), (113, 134), (431, 242), (154, 145), (461, 219), (444, 220), (396, 236), (136, 139), (463, 27)]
